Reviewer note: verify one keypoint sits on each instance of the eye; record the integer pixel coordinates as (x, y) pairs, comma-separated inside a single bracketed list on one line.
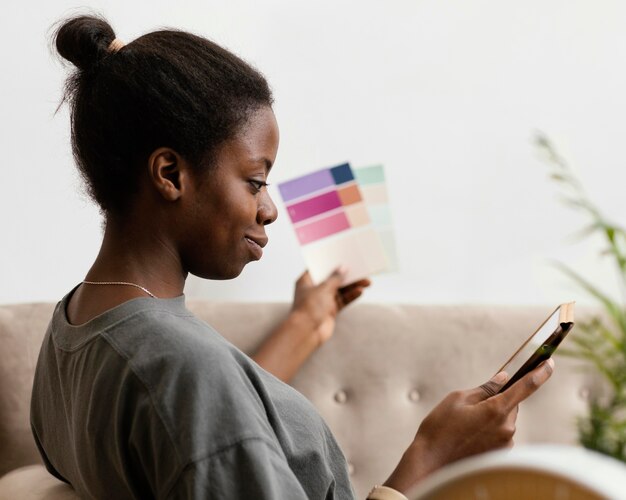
[(257, 185)]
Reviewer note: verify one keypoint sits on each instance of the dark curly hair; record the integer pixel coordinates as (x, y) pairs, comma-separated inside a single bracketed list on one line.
[(167, 88)]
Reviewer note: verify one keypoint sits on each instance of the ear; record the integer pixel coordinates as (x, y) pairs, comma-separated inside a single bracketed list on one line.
[(168, 173)]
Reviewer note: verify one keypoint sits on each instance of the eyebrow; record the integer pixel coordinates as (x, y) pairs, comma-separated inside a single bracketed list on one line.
[(268, 164)]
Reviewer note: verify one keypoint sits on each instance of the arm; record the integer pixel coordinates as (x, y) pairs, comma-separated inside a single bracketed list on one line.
[(310, 323), (466, 423), (250, 468)]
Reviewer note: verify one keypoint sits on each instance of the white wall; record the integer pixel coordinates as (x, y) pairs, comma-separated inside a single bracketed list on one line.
[(446, 94)]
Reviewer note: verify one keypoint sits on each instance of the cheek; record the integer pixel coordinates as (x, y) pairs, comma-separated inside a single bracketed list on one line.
[(224, 236), (239, 211), (225, 215)]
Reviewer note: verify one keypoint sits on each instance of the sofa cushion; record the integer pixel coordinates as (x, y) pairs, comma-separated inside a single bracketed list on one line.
[(33, 482), (22, 328)]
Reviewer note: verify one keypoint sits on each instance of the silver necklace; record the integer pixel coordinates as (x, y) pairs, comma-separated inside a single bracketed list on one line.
[(121, 283)]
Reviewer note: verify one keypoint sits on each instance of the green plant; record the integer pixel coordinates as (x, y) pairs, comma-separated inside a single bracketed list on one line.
[(601, 340)]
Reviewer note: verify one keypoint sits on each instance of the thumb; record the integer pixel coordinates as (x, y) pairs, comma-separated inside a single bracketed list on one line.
[(528, 384), (304, 279), (336, 279)]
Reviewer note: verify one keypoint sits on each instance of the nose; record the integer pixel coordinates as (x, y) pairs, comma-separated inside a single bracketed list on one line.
[(267, 212)]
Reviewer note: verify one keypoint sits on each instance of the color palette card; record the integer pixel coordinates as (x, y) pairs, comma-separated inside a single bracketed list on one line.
[(373, 187), (333, 225)]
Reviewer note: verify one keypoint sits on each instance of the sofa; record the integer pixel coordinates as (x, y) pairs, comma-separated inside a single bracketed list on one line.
[(384, 368)]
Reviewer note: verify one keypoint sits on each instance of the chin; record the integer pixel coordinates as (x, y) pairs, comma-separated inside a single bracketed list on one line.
[(218, 274)]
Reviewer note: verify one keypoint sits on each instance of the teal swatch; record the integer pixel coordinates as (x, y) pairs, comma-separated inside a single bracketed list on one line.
[(380, 215), (370, 175)]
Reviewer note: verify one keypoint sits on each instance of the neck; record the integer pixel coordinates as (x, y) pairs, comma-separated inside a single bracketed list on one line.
[(139, 254)]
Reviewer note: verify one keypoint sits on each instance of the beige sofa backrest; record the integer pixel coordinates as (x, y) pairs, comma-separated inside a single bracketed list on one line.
[(374, 381), (21, 331)]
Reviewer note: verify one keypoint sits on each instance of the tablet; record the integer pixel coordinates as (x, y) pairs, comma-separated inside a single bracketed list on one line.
[(540, 345)]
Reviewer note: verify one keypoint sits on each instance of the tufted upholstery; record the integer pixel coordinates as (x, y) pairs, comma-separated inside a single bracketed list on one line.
[(383, 370)]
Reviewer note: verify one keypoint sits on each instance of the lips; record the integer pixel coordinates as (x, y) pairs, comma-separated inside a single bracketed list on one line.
[(256, 244)]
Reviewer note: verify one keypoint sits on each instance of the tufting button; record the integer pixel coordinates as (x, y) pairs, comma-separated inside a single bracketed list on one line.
[(583, 393), (414, 396), (351, 468), (341, 397)]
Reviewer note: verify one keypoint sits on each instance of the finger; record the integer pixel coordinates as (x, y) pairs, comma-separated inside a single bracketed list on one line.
[(304, 279), (335, 280), (350, 296), (339, 302), (527, 385), (364, 283), (489, 388), (510, 422), (512, 417)]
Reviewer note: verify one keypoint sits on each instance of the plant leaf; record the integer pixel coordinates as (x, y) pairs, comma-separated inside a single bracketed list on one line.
[(612, 308)]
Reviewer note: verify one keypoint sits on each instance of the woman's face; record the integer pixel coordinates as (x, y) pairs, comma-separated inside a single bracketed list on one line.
[(229, 205)]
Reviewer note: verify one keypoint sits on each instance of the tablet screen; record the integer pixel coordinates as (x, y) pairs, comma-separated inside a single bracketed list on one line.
[(532, 344)]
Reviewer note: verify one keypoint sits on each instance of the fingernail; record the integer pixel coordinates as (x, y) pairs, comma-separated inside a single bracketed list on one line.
[(343, 270), (500, 378)]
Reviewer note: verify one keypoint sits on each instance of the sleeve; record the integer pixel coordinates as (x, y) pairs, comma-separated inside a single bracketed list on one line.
[(251, 468)]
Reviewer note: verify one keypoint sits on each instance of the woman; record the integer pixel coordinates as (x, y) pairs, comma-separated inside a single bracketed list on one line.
[(133, 396)]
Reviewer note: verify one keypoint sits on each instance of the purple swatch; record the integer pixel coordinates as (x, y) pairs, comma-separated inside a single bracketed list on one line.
[(306, 184)]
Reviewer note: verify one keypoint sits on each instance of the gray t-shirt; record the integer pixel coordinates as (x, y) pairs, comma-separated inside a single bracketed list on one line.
[(148, 401)]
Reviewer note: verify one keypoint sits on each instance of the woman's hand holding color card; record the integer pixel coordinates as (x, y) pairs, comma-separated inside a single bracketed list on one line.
[(310, 323), (321, 303)]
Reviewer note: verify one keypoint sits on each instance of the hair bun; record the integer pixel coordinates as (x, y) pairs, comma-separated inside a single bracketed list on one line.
[(84, 40)]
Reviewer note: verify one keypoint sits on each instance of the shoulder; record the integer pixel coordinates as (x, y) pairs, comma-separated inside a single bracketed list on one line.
[(207, 393), (158, 335), (168, 346)]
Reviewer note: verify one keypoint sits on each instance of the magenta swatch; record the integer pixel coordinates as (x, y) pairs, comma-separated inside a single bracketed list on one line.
[(314, 206)]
